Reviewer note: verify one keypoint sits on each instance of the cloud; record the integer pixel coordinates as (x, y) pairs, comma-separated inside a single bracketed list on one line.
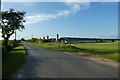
[(77, 6), (45, 17), (63, 13), (73, 8), (39, 18)]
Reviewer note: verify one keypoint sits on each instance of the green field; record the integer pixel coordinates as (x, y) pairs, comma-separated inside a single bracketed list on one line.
[(12, 61), (110, 47), (107, 50)]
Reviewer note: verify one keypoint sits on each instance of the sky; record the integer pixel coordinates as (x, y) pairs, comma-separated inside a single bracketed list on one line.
[(68, 19)]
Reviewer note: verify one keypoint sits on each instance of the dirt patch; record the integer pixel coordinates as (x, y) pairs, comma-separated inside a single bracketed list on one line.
[(95, 58)]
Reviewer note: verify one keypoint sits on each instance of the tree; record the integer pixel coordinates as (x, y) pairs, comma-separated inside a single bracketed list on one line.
[(113, 40), (11, 21), (22, 39), (33, 40)]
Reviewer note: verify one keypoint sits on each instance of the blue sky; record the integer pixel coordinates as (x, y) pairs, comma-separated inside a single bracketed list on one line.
[(90, 19)]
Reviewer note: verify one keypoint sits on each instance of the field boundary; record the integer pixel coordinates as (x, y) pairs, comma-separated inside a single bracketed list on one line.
[(95, 58)]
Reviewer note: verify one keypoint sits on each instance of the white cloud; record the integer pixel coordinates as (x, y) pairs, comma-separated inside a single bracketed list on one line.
[(77, 6), (73, 9), (63, 13), (74, 6), (45, 17), (39, 18)]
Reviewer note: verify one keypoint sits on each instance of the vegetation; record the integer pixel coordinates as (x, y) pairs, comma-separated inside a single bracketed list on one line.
[(107, 47), (12, 53), (0, 43), (58, 46), (11, 21), (22, 39), (107, 50), (12, 61)]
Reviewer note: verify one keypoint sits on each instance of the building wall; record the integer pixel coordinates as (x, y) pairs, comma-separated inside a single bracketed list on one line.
[(84, 40)]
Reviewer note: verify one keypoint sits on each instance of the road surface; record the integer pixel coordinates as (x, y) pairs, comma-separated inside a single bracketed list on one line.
[(44, 63)]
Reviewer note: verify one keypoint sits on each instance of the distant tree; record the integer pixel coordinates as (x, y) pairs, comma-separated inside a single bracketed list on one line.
[(22, 39), (11, 21), (33, 40), (113, 40)]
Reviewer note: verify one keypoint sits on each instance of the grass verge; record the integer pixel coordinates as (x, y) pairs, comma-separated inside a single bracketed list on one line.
[(0, 43), (12, 61)]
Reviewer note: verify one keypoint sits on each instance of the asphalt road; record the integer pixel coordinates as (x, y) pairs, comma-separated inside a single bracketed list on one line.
[(44, 63)]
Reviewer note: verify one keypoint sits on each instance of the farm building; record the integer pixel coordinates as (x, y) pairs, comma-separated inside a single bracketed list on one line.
[(52, 39), (75, 40)]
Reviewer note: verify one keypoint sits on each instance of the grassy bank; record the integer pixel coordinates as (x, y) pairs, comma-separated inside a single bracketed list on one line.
[(107, 50), (12, 61)]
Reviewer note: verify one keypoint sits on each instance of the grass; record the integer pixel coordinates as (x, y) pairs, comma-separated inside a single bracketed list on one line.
[(58, 47), (107, 50), (12, 61), (0, 43), (109, 47)]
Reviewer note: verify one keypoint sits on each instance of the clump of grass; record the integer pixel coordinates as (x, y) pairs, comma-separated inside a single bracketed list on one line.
[(12, 61)]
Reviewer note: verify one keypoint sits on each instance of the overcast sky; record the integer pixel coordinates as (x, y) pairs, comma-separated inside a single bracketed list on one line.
[(80, 19)]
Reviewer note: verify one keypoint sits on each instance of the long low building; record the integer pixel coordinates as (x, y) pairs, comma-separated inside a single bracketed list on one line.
[(75, 40)]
